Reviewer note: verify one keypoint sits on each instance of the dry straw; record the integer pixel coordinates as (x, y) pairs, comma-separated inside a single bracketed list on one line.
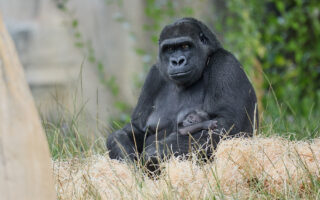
[(242, 168)]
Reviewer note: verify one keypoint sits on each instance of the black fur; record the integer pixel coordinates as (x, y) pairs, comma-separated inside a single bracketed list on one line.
[(193, 72)]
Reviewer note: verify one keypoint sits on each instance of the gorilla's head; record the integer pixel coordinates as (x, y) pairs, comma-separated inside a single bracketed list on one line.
[(184, 50)]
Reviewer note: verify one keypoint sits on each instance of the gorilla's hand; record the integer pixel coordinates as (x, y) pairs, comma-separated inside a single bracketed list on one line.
[(194, 128)]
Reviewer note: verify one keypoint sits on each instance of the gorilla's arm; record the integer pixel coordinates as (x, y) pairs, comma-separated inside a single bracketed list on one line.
[(230, 98), (126, 141), (194, 128)]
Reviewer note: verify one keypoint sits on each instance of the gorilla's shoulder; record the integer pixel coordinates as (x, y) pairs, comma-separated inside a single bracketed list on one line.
[(224, 57), (226, 69), (153, 82), (154, 76), (154, 71)]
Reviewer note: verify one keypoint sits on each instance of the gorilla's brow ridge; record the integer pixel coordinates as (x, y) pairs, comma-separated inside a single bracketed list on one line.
[(175, 41)]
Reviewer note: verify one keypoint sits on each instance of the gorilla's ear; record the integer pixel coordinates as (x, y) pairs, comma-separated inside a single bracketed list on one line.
[(209, 49), (203, 38)]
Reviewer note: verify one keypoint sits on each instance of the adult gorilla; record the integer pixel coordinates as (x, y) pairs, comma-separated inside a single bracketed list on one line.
[(193, 72)]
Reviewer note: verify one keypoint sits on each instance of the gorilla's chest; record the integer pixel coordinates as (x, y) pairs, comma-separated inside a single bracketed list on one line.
[(169, 102)]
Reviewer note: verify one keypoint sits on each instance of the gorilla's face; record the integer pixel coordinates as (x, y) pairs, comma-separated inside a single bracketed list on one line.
[(182, 53)]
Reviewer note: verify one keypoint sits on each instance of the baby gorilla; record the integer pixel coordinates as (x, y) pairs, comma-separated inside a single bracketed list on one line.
[(195, 121)]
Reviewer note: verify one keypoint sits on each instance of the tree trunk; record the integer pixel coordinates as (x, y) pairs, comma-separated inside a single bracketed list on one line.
[(25, 165)]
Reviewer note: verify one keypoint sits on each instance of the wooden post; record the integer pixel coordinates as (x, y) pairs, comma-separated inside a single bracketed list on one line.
[(25, 164)]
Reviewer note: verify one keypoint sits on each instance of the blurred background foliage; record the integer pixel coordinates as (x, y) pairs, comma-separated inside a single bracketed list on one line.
[(280, 41), (277, 43)]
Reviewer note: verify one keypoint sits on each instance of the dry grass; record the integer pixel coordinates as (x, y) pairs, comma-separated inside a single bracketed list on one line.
[(257, 168)]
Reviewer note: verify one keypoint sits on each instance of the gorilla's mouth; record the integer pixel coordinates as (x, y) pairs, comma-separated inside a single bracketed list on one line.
[(180, 74)]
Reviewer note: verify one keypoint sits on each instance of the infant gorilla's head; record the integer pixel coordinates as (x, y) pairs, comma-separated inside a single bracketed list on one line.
[(194, 117)]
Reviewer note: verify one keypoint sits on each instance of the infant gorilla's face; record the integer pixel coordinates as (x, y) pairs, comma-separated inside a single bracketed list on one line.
[(192, 118)]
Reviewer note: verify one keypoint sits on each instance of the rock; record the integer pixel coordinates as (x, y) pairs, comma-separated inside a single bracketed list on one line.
[(25, 165)]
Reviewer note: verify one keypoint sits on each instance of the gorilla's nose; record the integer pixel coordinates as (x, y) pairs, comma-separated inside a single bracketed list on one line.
[(178, 62)]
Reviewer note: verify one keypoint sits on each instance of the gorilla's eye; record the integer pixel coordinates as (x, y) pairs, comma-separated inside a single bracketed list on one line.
[(169, 49), (185, 46)]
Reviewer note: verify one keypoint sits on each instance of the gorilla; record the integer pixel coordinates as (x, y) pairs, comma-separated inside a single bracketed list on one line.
[(193, 72), (195, 121)]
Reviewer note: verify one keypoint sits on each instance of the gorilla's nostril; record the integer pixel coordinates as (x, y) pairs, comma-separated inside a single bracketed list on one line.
[(182, 61), (173, 61)]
